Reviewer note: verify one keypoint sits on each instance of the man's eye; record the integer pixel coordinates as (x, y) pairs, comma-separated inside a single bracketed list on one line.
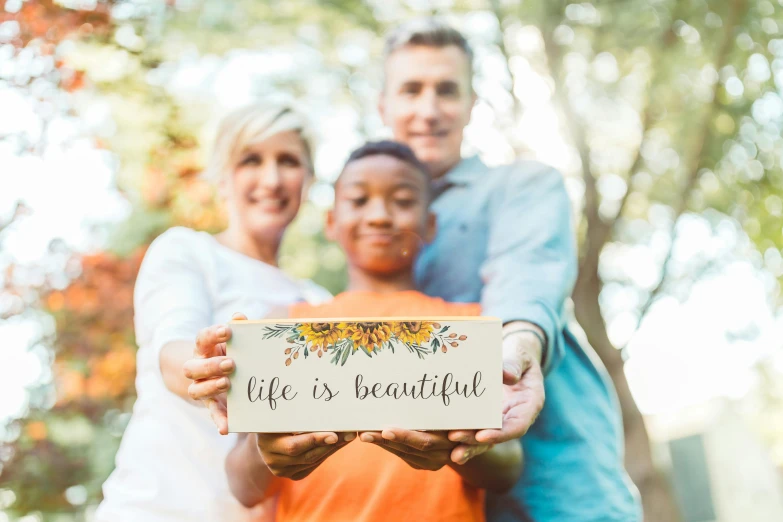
[(448, 90), (405, 202), (358, 202), (251, 159)]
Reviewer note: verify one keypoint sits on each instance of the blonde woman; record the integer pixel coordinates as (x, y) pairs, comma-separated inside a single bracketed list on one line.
[(170, 465)]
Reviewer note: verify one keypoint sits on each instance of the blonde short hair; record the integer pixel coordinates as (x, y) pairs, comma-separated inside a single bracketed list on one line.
[(250, 124)]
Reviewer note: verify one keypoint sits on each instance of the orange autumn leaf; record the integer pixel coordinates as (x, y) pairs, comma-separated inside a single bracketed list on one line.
[(70, 386), (36, 430), (55, 301)]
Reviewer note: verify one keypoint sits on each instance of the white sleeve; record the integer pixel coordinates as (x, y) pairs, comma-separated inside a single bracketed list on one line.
[(171, 298), (313, 293)]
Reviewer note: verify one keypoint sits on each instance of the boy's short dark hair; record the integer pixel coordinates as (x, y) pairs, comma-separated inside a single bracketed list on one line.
[(391, 148)]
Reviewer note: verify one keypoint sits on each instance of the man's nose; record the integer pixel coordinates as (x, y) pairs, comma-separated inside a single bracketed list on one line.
[(429, 106)]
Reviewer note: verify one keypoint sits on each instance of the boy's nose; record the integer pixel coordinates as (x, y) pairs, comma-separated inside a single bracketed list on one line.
[(378, 213)]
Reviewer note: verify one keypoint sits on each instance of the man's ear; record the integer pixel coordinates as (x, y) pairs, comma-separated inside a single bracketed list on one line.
[(329, 230), (432, 227)]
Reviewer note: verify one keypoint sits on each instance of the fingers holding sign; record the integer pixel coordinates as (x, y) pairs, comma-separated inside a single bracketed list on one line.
[(427, 450), (296, 456), (209, 370)]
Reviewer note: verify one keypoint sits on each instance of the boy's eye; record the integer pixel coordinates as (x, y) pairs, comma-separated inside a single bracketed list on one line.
[(405, 202), (251, 159), (358, 201)]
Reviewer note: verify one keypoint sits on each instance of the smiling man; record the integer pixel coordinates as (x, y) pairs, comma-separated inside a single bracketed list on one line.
[(505, 239)]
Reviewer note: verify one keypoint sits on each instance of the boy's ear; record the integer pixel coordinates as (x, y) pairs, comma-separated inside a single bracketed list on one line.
[(329, 230), (432, 227), (382, 107)]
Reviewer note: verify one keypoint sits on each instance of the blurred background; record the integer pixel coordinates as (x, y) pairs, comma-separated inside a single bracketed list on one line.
[(664, 115)]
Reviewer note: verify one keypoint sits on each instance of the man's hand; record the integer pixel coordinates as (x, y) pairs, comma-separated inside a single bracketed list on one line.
[(209, 370), (296, 456), (523, 392), (427, 450)]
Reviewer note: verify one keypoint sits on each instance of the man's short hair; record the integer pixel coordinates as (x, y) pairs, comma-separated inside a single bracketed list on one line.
[(429, 32), (394, 149)]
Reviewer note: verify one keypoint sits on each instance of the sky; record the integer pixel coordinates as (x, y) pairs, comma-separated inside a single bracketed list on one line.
[(683, 354)]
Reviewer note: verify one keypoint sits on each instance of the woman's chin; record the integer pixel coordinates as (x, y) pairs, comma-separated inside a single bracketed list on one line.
[(269, 226)]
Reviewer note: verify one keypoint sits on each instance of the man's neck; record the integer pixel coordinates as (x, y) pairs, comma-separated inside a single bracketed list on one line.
[(441, 169), (363, 281)]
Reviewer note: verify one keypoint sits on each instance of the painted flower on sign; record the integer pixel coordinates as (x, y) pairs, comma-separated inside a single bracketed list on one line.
[(368, 335), (320, 336), (413, 332), (422, 338)]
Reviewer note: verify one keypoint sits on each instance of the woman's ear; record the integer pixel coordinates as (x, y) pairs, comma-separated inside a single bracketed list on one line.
[(329, 231), (223, 187), (307, 185), (432, 227)]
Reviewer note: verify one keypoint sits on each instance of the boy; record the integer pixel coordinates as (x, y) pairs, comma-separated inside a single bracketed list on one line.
[(381, 220)]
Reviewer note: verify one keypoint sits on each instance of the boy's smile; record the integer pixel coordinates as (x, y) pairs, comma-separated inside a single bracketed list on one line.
[(381, 215)]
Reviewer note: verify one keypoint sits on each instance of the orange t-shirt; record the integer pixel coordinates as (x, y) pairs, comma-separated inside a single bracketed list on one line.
[(362, 482)]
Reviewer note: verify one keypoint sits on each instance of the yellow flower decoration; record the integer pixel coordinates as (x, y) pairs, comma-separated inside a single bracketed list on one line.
[(370, 335), (320, 336), (413, 332)]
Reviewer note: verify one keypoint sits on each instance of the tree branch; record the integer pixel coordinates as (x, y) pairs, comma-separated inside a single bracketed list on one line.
[(497, 10), (737, 10)]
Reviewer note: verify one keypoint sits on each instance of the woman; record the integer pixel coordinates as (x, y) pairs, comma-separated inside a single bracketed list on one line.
[(170, 464)]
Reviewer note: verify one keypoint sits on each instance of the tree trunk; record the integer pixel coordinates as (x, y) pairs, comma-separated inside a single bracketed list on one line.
[(657, 497)]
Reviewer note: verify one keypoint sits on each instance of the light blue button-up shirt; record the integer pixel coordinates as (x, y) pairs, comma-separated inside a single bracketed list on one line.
[(505, 239)]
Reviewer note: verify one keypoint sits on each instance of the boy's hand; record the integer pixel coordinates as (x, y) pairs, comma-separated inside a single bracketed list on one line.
[(429, 450), (296, 456), (209, 370)]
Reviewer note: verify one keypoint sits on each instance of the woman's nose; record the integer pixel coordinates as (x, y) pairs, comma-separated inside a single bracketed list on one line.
[(270, 175)]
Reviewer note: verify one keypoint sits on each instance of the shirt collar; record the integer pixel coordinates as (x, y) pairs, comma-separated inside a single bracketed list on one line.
[(465, 171)]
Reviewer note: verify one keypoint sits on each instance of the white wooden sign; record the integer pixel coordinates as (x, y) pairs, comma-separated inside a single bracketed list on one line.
[(297, 375)]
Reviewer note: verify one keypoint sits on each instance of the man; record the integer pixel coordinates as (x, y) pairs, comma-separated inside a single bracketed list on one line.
[(505, 239)]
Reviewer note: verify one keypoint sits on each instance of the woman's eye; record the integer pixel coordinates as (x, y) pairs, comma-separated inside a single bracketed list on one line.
[(289, 160), (251, 159), (358, 202)]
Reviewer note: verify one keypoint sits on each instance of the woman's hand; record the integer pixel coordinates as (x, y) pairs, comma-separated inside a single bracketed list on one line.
[(296, 456), (209, 370), (428, 450)]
